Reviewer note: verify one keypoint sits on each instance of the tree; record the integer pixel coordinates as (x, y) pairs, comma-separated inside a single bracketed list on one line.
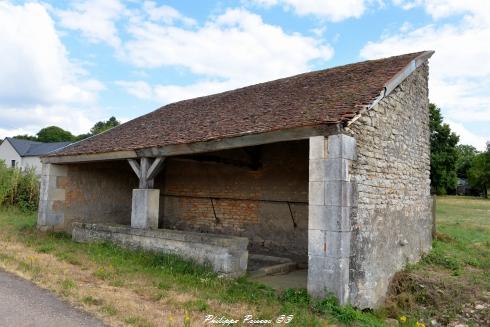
[(54, 134), (466, 155), (82, 136), (443, 153), (26, 137), (103, 126), (479, 173)]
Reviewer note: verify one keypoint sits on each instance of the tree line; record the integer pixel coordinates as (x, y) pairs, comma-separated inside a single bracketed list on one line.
[(451, 161), (57, 134)]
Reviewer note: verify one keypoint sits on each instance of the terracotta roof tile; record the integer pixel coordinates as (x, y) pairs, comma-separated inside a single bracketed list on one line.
[(320, 97)]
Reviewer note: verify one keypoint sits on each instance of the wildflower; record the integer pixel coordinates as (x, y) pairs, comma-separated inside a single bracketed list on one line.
[(419, 324), (403, 319)]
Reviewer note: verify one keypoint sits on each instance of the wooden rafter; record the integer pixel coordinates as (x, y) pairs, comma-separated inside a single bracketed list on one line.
[(146, 171)]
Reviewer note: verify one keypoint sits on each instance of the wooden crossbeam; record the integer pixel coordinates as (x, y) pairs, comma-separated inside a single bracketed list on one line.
[(146, 171)]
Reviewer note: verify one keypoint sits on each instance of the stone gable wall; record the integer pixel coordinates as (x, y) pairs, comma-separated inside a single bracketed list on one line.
[(392, 224)]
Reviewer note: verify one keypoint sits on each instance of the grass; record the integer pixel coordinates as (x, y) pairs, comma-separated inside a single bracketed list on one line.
[(447, 283), (121, 286), (182, 288)]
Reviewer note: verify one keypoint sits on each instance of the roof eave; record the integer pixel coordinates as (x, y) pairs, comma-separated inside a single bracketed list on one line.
[(284, 135), (89, 157)]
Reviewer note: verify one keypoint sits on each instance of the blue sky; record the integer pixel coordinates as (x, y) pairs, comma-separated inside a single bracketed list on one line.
[(72, 63)]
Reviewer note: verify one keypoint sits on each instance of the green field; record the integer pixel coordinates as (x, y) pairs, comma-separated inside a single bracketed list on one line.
[(454, 278), (448, 285)]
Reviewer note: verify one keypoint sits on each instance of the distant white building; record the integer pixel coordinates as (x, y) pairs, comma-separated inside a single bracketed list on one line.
[(26, 154)]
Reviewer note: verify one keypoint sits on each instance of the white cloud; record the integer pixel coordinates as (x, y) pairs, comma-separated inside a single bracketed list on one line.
[(236, 43), (139, 89), (95, 19), (166, 14), (468, 137), (332, 10), (34, 65), (172, 93), (459, 70), (230, 50), (38, 82), (444, 8), (30, 120)]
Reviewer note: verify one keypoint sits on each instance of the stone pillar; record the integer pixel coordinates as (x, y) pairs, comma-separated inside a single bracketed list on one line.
[(145, 207), (329, 210), (52, 197)]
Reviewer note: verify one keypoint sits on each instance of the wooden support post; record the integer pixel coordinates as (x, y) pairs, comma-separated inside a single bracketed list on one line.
[(144, 182), (146, 170)]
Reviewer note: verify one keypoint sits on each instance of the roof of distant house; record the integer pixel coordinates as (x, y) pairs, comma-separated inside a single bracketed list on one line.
[(330, 96), (27, 148)]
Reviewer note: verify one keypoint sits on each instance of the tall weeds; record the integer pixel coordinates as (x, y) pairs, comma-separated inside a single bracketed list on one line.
[(18, 188)]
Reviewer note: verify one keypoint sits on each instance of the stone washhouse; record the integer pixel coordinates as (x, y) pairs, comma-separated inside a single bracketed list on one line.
[(327, 169)]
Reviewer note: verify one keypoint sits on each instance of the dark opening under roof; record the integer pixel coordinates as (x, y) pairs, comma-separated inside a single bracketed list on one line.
[(328, 96)]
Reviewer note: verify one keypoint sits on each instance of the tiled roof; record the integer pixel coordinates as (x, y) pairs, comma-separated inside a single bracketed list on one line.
[(321, 97), (26, 148)]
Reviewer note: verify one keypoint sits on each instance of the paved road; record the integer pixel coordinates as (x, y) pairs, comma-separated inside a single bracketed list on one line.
[(23, 304)]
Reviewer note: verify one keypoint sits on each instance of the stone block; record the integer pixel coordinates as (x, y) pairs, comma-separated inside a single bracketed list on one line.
[(317, 170), (328, 275), (338, 244), (57, 194), (145, 208), (336, 170), (317, 147), (336, 276), (54, 170), (349, 147), (317, 217), (337, 218), (51, 198), (339, 193), (316, 193), (341, 146), (53, 219), (316, 242), (329, 218), (316, 280), (48, 185)]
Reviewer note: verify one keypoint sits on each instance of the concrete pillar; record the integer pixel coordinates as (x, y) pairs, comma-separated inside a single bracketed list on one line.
[(145, 207), (330, 204), (52, 197)]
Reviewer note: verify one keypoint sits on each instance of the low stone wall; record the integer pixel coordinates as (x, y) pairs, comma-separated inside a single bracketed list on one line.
[(227, 255)]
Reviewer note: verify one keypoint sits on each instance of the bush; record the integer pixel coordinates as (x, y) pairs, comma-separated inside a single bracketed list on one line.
[(18, 188)]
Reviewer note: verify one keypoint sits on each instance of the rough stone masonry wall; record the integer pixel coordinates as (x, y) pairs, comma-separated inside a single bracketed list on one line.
[(268, 205), (93, 192), (393, 222)]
